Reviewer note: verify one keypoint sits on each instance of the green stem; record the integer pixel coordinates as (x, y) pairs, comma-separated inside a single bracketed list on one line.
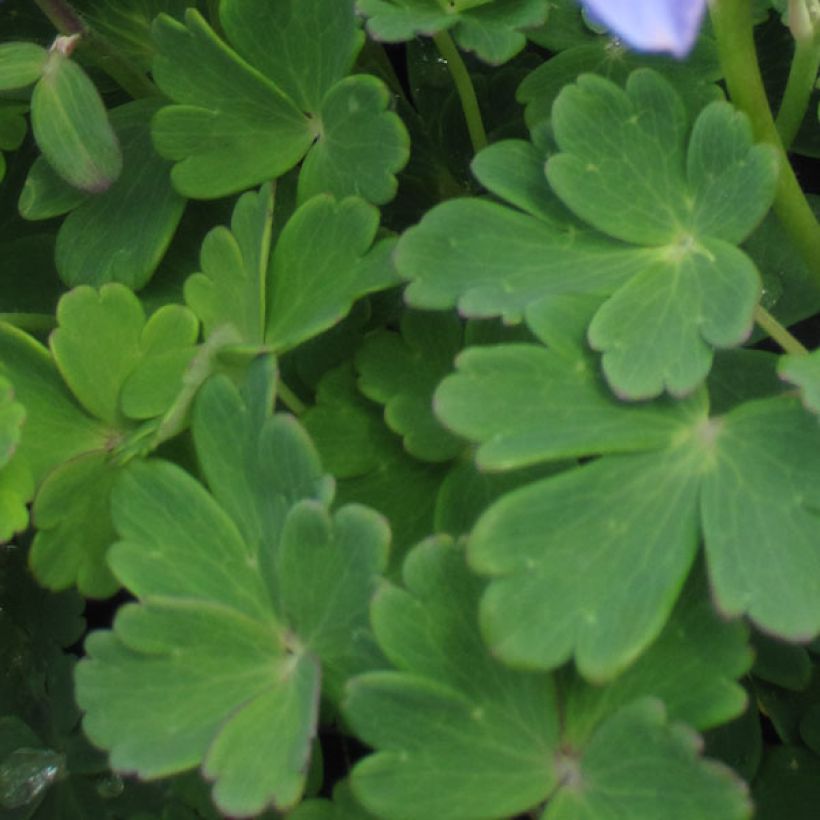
[(30, 322), (779, 333), (799, 87), (464, 89), (127, 75), (732, 23), (290, 399)]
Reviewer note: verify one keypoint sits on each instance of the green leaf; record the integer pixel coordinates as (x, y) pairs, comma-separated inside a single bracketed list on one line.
[(631, 177), (234, 262), (361, 145), (760, 502), (71, 127), (488, 260), (16, 490), (491, 30), (227, 621), (783, 664), (657, 333), (74, 529), (327, 570), (21, 64), (257, 465), (46, 194), (553, 550), (637, 765), (313, 284), (122, 234), (524, 404), (343, 807), (692, 668), (368, 461), (803, 371), (12, 418), (97, 365), (56, 428), (231, 127), (456, 734), (401, 372), (303, 46)]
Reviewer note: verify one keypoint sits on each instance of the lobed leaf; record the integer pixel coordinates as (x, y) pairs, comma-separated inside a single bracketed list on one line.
[(803, 371)]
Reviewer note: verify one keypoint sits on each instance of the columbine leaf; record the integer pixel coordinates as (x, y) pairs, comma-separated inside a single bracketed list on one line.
[(401, 371), (760, 507), (803, 371), (361, 145), (96, 365), (313, 284), (554, 550), (231, 127), (488, 260), (21, 64), (12, 418), (303, 47), (221, 624), (491, 29), (293, 94), (234, 263), (456, 733), (648, 768), (71, 127), (697, 687), (524, 404), (699, 292), (788, 784)]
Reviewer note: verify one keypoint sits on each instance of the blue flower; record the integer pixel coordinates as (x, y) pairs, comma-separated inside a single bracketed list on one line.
[(651, 25)]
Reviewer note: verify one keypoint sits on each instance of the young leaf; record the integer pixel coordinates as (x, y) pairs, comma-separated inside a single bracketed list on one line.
[(650, 769), (313, 284), (97, 365), (491, 29), (803, 371), (21, 64), (234, 262), (227, 622), (71, 126), (456, 734), (402, 371)]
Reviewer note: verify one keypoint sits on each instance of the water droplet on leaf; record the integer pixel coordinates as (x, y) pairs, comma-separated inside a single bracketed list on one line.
[(26, 773)]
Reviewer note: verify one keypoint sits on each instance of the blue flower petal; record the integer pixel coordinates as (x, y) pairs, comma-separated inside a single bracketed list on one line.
[(651, 25)]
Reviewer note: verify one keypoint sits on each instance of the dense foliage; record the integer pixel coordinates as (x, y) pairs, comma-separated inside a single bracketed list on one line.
[(409, 410)]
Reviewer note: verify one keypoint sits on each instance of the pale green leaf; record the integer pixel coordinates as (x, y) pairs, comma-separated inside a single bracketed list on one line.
[(803, 371), (71, 126), (21, 64)]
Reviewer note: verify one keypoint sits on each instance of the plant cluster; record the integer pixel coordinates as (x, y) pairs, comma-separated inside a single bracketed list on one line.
[(409, 410)]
